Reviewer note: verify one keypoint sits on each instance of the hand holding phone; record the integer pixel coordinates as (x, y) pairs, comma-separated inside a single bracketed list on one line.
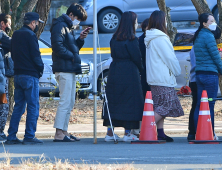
[(84, 33), (87, 29)]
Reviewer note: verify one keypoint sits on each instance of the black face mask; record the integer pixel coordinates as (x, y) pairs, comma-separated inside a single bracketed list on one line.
[(7, 30), (36, 29), (217, 33)]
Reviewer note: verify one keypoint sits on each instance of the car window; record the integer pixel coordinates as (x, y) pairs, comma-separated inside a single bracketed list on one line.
[(182, 39), (42, 45)]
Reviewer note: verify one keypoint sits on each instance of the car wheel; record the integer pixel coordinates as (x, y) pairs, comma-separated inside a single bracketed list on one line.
[(108, 20), (216, 15), (101, 84)]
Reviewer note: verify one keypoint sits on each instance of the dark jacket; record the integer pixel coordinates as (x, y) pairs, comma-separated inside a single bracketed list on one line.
[(65, 47), (123, 90), (26, 54), (144, 83), (5, 41), (206, 52)]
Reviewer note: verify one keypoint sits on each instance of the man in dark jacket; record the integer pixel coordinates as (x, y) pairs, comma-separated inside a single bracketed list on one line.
[(28, 68), (66, 65)]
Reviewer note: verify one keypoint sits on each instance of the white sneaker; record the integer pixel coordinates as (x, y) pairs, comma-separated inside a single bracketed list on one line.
[(111, 138), (215, 137), (130, 137)]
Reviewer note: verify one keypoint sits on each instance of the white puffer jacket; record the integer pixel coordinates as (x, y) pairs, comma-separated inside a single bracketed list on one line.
[(161, 63)]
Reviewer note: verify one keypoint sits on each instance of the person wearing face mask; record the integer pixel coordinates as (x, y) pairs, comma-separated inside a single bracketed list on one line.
[(5, 44), (193, 86), (208, 63), (28, 68), (66, 65)]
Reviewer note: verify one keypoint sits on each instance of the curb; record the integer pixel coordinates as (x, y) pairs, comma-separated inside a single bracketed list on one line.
[(102, 133)]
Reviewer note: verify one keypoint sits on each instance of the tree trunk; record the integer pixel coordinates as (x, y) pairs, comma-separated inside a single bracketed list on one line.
[(28, 7), (172, 31), (42, 8), (5, 6), (201, 6), (14, 13)]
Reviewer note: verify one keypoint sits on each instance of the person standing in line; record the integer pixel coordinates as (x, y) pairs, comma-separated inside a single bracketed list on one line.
[(161, 68), (5, 40), (144, 84), (208, 62), (66, 65), (123, 89), (28, 68), (193, 86)]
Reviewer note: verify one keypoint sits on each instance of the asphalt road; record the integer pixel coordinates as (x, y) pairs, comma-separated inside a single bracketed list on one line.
[(176, 155)]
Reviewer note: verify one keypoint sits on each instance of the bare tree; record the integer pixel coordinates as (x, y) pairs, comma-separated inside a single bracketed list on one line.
[(42, 8), (172, 31), (201, 6), (28, 7)]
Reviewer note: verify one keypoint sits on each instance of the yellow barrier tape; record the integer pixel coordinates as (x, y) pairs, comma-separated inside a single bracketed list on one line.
[(106, 50)]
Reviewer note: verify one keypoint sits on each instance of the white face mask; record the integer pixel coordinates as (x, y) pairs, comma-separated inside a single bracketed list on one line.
[(136, 26), (213, 26), (75, 22)]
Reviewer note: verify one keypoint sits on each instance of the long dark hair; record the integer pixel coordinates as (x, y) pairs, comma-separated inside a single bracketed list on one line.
[(202, 18), (126, 29), (158, 21)]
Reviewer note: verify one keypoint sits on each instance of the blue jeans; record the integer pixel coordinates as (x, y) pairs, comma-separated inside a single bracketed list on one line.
[(210, 84), (26, 92)]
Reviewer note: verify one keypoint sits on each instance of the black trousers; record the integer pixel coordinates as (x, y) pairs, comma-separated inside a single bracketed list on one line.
[(193, 86)]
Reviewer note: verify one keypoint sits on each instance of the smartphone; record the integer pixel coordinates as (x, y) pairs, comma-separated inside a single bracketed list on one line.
[(87, 29)]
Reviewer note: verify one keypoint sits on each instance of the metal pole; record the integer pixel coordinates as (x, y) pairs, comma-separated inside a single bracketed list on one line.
[(95, 68)]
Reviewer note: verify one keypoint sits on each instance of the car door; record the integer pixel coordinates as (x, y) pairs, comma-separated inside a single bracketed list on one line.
[(143, 8), (182, 10)]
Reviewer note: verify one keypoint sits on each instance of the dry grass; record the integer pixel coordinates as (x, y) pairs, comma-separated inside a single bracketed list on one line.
[(43, 164)]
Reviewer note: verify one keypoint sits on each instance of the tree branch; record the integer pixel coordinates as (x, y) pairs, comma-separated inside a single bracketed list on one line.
[(28, 7), (201, 6)]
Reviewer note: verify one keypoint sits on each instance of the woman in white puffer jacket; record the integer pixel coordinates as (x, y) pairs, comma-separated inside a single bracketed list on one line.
[(161, 68)]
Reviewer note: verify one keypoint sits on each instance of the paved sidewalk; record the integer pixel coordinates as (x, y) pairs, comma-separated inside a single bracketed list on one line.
[(86, 130)]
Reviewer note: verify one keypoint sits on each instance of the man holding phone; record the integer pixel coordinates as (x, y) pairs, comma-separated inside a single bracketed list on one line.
[(66, 65)]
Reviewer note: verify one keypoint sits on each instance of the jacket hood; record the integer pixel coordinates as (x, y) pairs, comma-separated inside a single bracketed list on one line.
[(60, 19), (153, 34)]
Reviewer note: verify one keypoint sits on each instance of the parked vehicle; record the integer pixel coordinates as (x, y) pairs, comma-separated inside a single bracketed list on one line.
[(48, 83), (182, 38), (109, 11)]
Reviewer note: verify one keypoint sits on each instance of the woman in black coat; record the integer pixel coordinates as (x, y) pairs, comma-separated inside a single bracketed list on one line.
[(123, 90)]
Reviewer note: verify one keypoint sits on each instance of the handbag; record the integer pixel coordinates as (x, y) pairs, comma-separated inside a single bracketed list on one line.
[(3, 98), (9, 66)]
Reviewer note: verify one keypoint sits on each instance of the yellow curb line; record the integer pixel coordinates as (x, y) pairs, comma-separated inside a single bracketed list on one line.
[(106, 50)]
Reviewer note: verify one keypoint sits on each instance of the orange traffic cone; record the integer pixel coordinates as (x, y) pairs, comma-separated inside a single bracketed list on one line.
[(148, 134), (204, 134)]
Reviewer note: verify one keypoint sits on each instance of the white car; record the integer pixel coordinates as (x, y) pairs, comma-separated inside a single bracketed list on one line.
[(182, 38)]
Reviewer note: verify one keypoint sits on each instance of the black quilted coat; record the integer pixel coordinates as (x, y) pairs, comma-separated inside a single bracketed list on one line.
[(65, 47), (123, 90)]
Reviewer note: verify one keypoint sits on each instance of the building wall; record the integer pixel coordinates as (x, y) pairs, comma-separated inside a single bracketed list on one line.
[(54, 6)]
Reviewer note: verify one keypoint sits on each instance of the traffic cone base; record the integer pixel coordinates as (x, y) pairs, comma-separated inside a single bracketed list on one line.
[(205, 141), (148, 142), (148, 133)]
